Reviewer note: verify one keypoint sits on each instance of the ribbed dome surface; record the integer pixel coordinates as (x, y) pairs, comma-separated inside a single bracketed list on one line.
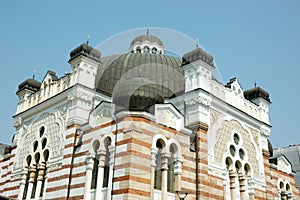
[(137, 94), (30, 84), (151, 77), (150, 38)]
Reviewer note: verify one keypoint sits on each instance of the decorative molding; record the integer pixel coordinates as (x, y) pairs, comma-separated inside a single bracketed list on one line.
[(18, 122), (81, 96), (198, 100)]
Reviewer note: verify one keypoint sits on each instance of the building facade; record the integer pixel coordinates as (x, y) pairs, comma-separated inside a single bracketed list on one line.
[(142, 125)]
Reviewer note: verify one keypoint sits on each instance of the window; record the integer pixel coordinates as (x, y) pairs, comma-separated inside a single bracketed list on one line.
[(42, 131), (158, 172), (232, 150), (106, 165), (27, 164), (138, 50), (35, 167), (236, 139), (35, 146), (44, 162), (171, 167), (242, 154), (44, 143), (146, 49), (95, 174), (154, 50)]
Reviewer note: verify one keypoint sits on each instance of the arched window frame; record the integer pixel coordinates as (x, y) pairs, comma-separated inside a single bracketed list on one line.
[(165, 155), (104, 153)]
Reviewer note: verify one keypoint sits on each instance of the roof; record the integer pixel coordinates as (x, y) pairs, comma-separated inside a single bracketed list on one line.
[(197, 54), (140, 78), (257, 92), (30, 84), (86, 50)]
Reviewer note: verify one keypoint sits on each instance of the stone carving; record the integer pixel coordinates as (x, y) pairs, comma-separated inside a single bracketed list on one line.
[(62, 110), (167, 119), (82, 96), (198, 100), (225, 136), (18, 122), (214, 115), (32, 133)]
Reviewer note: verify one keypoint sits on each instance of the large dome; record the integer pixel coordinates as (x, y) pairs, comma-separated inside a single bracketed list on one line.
[(120, 76)]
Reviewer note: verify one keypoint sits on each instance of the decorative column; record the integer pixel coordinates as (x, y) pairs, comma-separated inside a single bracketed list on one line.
[(284, 196), (44, 187), (242, 181), (153, 165), (225, 185), (22, 183), (251, 189), (178, 172), (88, 176), (101, 154), (164, 175), (41, 171), (289, 196), (111, 171), (32, 172), (232, 177)]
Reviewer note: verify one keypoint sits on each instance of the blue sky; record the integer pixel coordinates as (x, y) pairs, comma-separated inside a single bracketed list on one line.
[(248, 39)]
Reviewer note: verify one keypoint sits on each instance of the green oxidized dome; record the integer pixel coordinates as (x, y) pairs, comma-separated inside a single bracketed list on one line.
[(145, 79)]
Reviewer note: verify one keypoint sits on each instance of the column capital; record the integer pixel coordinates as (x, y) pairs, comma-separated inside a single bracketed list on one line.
[(102, 157), (89, 163), (101, 152), (32, 172), (164, 161)]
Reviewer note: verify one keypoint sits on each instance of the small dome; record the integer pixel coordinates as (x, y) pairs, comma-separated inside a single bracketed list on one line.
[(256, 93), (197, 54), (149, 38), (85, 50), (30, 84)]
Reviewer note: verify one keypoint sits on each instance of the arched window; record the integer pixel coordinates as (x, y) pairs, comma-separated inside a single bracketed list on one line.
[(154, 50), (27, 164), (35, 168), (158, 172), (44, 165), (106, 165), (138, 50), (95, 174), (171, 167), (146, 49)]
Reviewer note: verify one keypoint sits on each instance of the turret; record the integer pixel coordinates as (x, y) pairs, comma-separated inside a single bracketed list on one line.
[(261, 98), (198, 66), (25, 89), (84, 61)]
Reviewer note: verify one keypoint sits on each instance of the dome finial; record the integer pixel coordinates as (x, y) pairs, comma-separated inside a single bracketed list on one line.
[(88, 39), (148, 30), (197, 42), (34, 73)]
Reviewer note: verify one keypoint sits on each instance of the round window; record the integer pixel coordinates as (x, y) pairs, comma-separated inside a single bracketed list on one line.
[(236, 139), (146, 49), (42, 131), (242, 154), (44, 143), (35, 146), (154, 50), (232, 150)]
